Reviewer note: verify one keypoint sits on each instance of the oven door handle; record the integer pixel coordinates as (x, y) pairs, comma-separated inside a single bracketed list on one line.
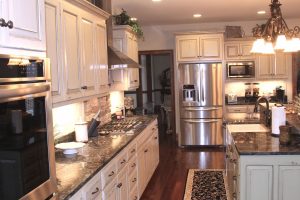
[(201, 121), (17, 90)]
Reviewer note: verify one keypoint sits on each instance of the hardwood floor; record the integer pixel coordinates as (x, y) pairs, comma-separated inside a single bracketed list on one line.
[(168, 181)]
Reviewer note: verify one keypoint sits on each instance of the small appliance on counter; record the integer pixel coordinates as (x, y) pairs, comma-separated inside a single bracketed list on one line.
[(280, 94), (81, 131), (255, 89), (232, 98)]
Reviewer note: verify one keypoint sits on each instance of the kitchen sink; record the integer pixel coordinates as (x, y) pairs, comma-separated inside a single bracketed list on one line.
[(247, 128)]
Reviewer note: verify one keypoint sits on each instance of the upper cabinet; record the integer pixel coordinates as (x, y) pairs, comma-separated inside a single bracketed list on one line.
[(22, 25), (273, 66), (77, 48), (238, 50), (199, 47), (125, 41)]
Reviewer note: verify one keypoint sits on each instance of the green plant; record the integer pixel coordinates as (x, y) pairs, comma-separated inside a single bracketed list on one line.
[(124, 19)]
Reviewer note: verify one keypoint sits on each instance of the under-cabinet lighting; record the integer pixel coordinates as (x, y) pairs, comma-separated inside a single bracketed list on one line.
[(197, 15), (261, 12)]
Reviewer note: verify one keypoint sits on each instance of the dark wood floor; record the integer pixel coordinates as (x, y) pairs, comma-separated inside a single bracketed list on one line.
[(168, 181)]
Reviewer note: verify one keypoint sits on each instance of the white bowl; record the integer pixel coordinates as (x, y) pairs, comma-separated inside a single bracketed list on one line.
[(70, 147)]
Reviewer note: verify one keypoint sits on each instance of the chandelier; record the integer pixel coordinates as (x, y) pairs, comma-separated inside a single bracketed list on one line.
[(275, 34)]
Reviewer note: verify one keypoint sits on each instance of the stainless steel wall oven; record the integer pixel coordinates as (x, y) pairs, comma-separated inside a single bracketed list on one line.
[(27, 164)]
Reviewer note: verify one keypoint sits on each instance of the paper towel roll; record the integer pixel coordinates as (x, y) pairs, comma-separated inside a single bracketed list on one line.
[(278, 118)]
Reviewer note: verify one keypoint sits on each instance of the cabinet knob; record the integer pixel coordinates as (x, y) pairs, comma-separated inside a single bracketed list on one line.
[(234, 195), (134, 180), (119, 185), (155, 138), (84, 87), (146, 151), (234, 178), (10, 24), (133, 165), (135, 198), (2, 23), (132, 151)]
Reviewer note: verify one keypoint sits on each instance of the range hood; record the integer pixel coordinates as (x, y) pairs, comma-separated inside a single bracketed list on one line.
[(117, 60)]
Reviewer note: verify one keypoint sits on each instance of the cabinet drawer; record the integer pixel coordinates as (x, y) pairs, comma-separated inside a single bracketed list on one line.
[(132, 149), (132, 181), (132, 165), (108, 173), (110, 191), (122, 160), (93, 192), (133, 195)]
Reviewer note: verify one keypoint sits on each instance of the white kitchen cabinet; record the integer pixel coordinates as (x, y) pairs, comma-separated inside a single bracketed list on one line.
[(76, 46), (109, 192), (101, 55), (125, 41), (92, 189), (199, 47), (273, 66), (122, 186), (53, 43), (239, 50), (28, 20), (289, 181), (259, 182)]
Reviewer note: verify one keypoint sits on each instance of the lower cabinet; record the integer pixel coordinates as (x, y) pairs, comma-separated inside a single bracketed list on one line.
[(126, 176), (262, 177)]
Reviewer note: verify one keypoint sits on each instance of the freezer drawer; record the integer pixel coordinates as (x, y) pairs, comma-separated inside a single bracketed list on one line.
[(201, 112), (201, 132)]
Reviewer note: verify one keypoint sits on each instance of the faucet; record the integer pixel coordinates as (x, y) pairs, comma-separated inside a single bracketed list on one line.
[(267, 111)]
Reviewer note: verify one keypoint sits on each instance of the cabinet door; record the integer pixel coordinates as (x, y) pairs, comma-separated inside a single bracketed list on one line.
[(187, 48), (259, 182), (211, 47), (264, 66), (28, 19), (88, 60), (245, 50), (232, 51), (70, 32), (142, 170), (101, 51), (281, 65), (289, 181), (53, 41), (122, 186), (155, 149), (133, 78)]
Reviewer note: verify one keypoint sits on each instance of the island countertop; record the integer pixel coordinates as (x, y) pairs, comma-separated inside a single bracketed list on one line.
[(73, 173), (262, 143)]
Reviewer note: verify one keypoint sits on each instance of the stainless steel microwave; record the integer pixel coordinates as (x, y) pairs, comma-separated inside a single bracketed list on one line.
[(244, 69)]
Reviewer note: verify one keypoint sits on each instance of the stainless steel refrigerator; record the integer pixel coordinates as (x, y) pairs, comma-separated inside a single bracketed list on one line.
[(200, 99)]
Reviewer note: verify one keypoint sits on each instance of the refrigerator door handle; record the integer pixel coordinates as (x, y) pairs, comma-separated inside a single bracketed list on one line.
[(200, 121), (202, 88), (203, 109)]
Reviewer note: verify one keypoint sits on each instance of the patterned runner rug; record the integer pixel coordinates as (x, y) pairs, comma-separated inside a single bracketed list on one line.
[(208, 184)]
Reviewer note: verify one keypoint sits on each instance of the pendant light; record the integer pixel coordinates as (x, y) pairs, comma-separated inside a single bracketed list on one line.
[(275, 34)]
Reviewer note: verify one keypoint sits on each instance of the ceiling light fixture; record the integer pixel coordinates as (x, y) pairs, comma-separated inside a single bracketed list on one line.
[(261, 12), (275, 34), (197, 15)]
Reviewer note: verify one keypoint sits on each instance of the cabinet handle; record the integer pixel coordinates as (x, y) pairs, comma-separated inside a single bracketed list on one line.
[(111, 174), (234, 195), (234, 178), (123, 161), (135, 81), (153, 129), (227, 156), (96, 191), (84, 87), (119, 185), (134, 180), (132, 151), (155, 137), (133, 165), (135, 198), (146, 151), (233, 161), (10, 24)]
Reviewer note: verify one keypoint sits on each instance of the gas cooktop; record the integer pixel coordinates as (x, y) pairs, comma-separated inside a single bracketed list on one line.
[(123, 126)]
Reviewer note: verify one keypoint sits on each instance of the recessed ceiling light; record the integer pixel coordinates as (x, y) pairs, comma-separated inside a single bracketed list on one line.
[(197, 15), (261, 12), (133, 19), (156, 0)]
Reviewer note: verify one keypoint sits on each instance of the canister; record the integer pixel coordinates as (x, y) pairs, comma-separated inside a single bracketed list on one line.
[(81, 131)]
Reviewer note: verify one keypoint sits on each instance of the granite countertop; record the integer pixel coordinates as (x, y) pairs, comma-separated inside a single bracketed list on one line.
[(73, 173), (262, 143)]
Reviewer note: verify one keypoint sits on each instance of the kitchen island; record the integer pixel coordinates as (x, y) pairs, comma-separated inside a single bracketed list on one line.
[(84, 175), (258, 167)]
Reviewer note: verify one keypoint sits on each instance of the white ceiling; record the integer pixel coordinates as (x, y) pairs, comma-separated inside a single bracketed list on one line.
[(181, 11)]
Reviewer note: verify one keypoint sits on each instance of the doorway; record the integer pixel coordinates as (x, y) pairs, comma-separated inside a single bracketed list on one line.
[(156, 91)]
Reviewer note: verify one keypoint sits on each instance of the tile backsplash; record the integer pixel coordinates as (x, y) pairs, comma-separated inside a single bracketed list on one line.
[(92, 106)]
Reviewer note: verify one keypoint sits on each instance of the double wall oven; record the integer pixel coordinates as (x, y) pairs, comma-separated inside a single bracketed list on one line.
[(27, 164)]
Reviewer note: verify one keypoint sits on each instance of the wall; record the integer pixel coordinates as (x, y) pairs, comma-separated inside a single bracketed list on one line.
[(116, 101), (163, 37)]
